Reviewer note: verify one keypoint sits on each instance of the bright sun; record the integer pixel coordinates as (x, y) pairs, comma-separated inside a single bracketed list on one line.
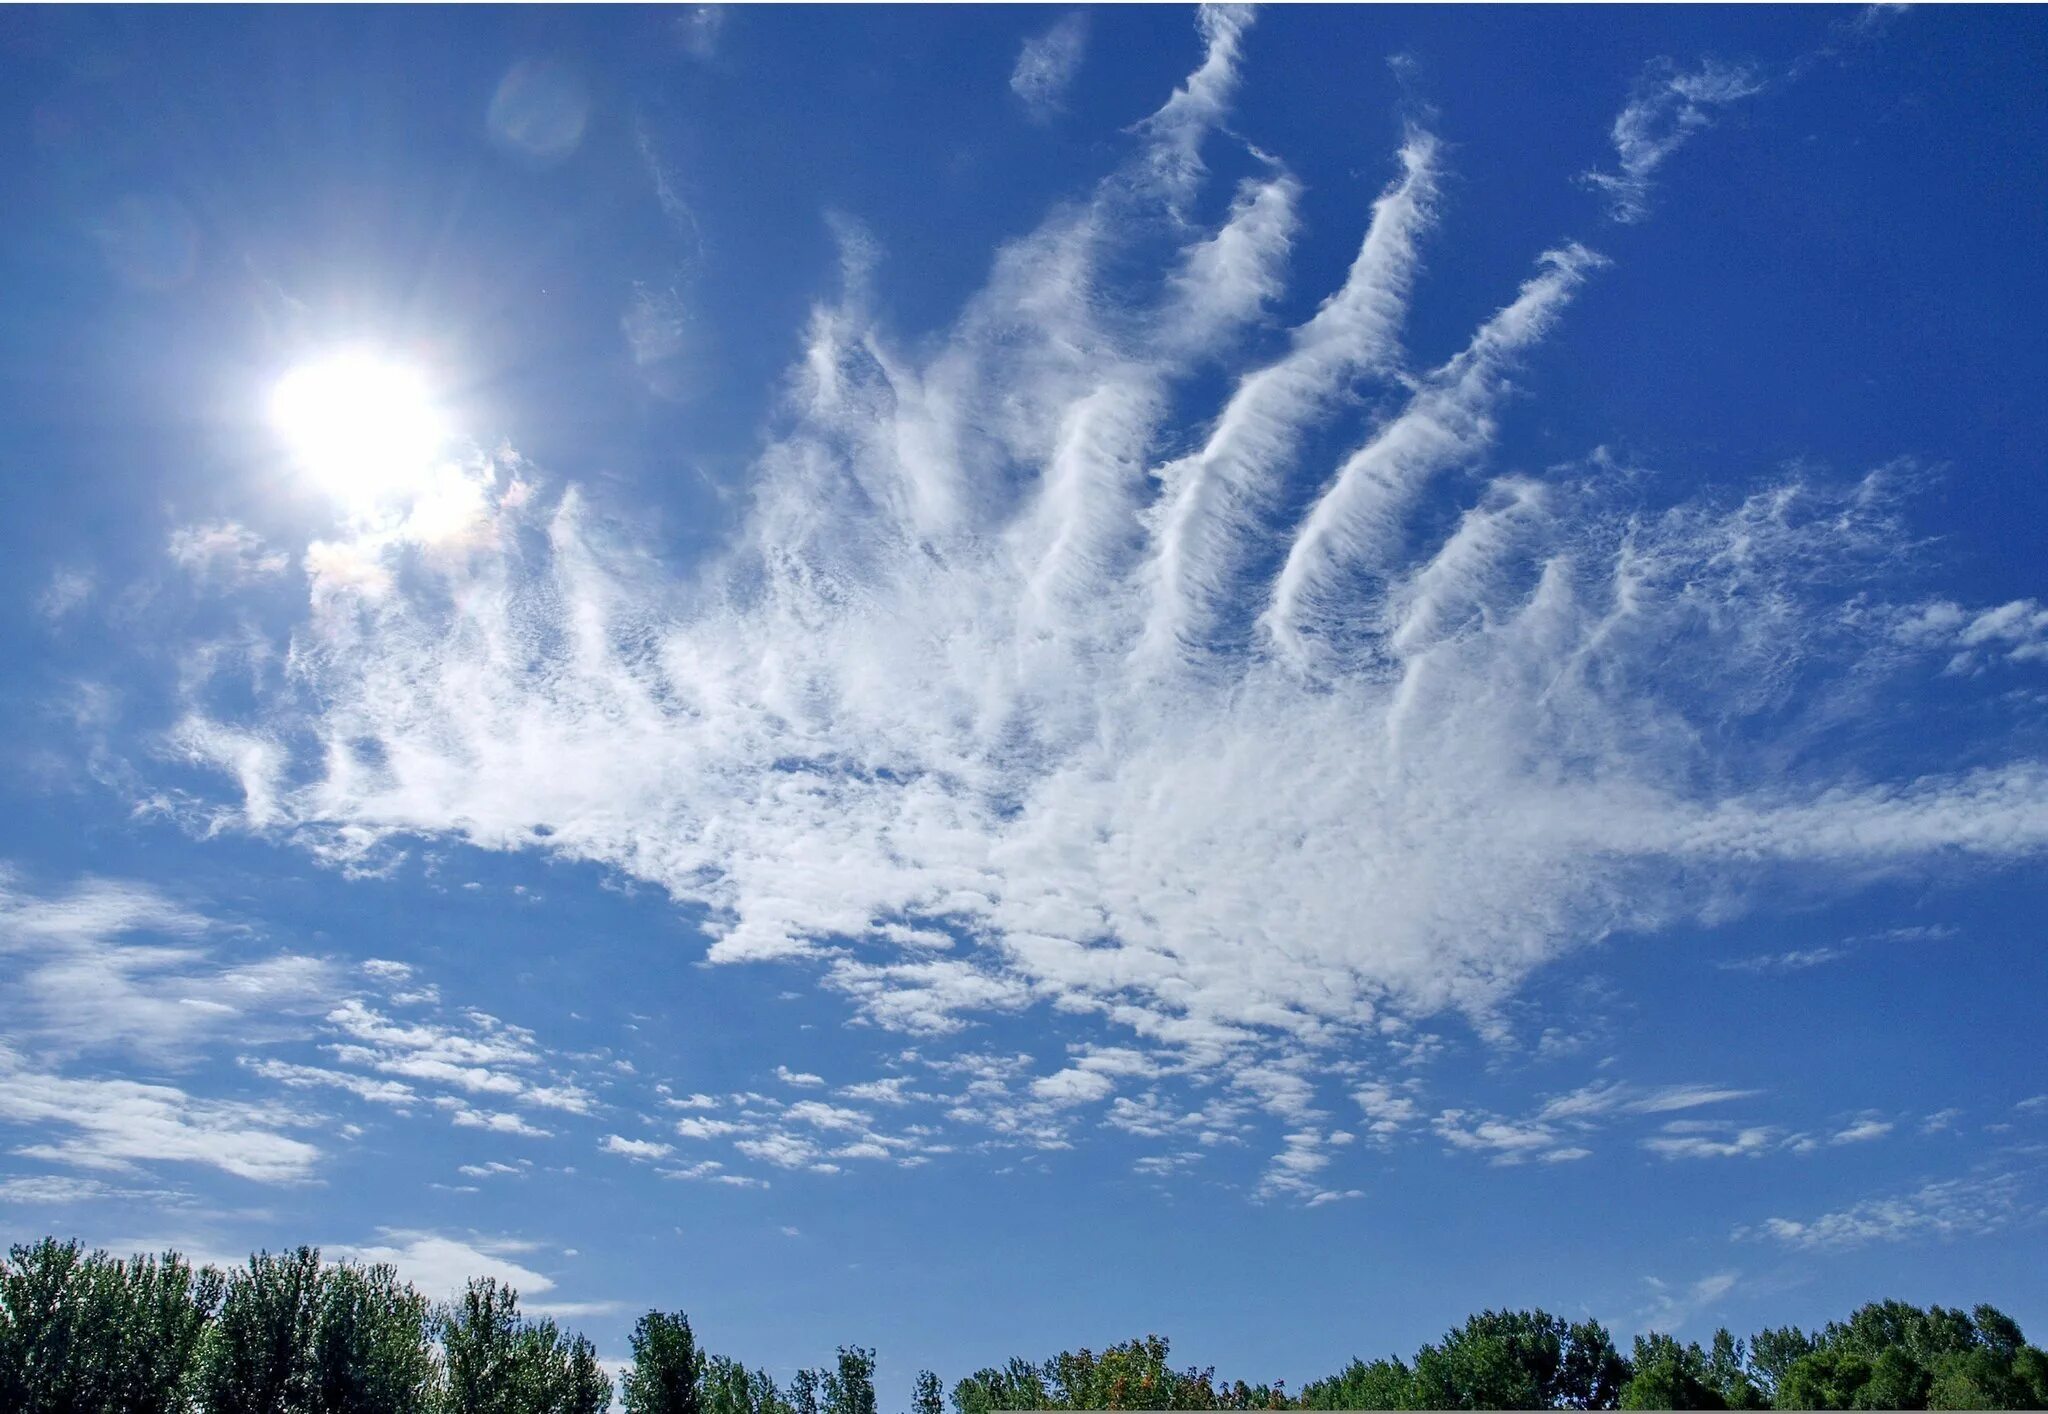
[(365, 427)]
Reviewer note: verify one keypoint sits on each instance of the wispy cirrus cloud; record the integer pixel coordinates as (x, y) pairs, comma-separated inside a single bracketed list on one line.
[(112, 965), (1047, 64), (1021, 688), (225, 553), (1670, 107), (1562, 1128), (67, 591), (1956, 1207), (1671, 1307), (106, 972), (120, 1125)]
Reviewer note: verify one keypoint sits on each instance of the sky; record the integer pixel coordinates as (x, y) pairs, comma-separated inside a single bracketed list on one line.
[(981, 680)]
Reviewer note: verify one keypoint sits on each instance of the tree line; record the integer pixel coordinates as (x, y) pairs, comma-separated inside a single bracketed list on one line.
[(86, 1333)]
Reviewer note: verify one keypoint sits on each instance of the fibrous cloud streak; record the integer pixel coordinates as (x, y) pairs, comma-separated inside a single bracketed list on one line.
[(1016, 688)]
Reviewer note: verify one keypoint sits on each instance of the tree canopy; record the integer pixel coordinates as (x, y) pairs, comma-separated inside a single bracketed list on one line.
[(85, 1333)]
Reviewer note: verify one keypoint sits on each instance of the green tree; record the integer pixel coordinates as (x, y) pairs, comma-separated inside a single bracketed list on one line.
[(585, 1387), (731, 1388), (926, 1394), (1670, 1376), (81, 1331), (164, 1311), (803, 1391), (667, 1376), (260, 1353), (1729, 1373), (499, 1363), (1018, 1385), (481, 1351), (1773, 1353), (850, 1389), (1520, 1360), (1830, 1378), (372, 1344), (1381, 1384)]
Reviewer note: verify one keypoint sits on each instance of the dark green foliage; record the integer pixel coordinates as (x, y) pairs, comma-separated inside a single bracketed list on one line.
[(667, 1376), (803, 1391), (82, 1333), (259, 1355), (1773, 1353), (850, 1389), (371, 1344), (1520, 1360), (1728, 1371), (1383, 1384), (731, 1388), (295, 1336), (1670, 1376), (499, 1363), (1889, 1355)]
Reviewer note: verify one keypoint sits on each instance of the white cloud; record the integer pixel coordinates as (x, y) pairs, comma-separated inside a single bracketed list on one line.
[(636, 1148), (1073, 1087), (67, 591), (484, 1057), (1556, 1131), (1862, 1132), (1796, 960), (496, 1122), (691, 1127), (225, 553), (56, 1188), (440, 1265), (1672, 1307), (801, 1079), (783, 1150), (1668, 109), (698, 28), (493, 1169), (1047, 64), (656, 324), (108, 964), (1712, 1141), (117, 1124), (1386, 1111), (1951, 1208), (2015, 632), (363, 1087), (1021, 687)]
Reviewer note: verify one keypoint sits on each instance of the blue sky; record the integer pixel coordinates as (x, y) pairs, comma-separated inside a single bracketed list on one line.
[(954, 678)]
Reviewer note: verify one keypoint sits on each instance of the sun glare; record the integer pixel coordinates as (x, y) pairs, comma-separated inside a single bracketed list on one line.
[(366, 428)]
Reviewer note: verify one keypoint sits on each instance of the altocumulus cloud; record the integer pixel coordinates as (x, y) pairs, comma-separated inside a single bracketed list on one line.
[(991, 705)]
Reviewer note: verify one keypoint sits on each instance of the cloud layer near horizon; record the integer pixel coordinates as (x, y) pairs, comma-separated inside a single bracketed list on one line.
[(994, 703)]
